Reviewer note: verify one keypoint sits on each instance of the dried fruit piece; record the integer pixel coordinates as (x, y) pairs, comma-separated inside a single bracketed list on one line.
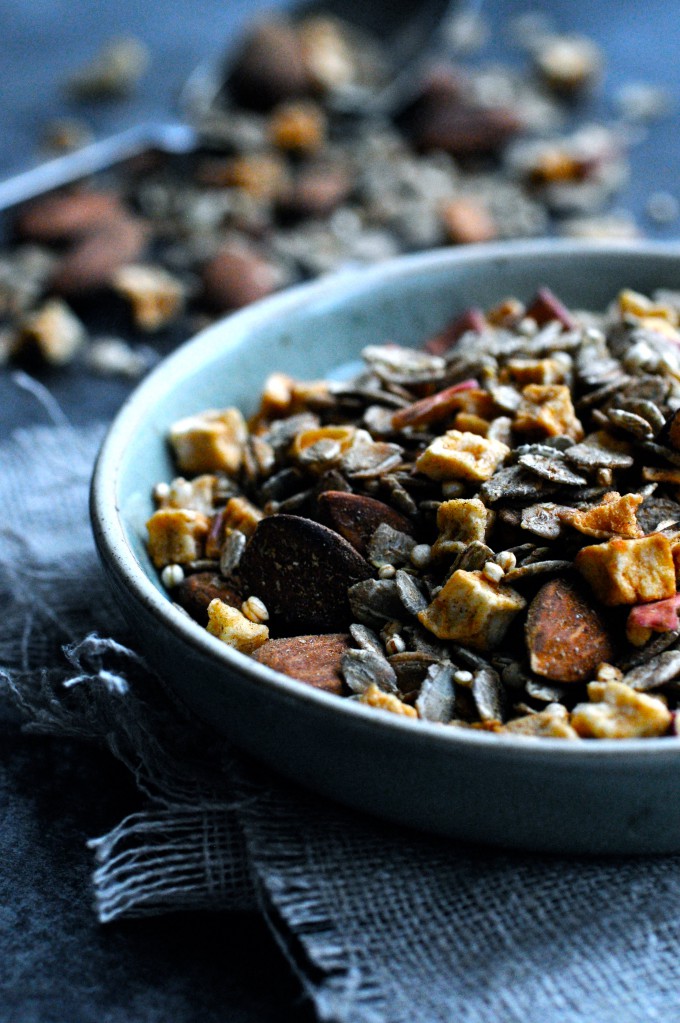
[(53, 333), (374, 697), (156, 297), (461, 520), (614, 516), (471, 610), (176, 536), (465, 456), (315, 660), (618, 712), (547, 411), (658, 616), (356, 517), (552, 723), (64, 216), (433, 408), (629, 571), (566, 636), (471, 319), (209, 442), (302, 571), (91, 263), (232, 627), (298, 127)]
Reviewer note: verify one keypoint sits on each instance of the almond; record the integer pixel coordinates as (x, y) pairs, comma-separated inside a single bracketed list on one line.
[(315, 660), (235, 277), (545, 307), (356, 517), (66, 216), (93, 260), (566, 637), (302, 571), (195, 593), (468, 221)]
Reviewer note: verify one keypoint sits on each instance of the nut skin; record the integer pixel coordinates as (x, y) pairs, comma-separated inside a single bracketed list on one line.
[(315, 660), (566, 637), (270, 67), (92, 262), (235, 277), (356, 517), (65, 216), (195, 593), (302, 571)]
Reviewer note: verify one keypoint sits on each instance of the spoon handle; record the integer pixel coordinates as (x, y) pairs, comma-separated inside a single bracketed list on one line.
[(64, 170)]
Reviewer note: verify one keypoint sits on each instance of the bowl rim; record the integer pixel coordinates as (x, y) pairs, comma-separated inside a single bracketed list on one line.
[(119, 558)]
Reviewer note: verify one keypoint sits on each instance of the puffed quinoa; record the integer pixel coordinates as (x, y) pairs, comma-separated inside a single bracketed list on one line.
[(479, 577)]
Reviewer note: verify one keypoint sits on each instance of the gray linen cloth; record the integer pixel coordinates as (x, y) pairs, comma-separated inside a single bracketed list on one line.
[(380, 924)]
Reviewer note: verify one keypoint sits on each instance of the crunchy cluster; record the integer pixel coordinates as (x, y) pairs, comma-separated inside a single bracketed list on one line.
[(484, 533)]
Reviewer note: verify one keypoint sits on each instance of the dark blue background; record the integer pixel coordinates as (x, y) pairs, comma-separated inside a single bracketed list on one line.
[(56, 964)]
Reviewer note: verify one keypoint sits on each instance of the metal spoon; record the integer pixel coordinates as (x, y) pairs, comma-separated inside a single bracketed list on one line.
[(407, 31)]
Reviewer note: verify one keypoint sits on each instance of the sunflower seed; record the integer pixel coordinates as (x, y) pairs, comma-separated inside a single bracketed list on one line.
[(544, 692), (630, 422), (543, 520), (552, 469), (375, 601), (537, 568), (365, 638), (654, 673), (410, 594), (489, 695), (362, 668), (437, 695)]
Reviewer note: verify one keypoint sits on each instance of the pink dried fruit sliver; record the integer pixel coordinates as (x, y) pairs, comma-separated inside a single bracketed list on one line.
[(433, 408), (545, 307), (659, 616), (471, 319)]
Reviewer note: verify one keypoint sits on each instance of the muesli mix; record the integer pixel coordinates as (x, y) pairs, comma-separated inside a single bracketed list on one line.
[(287, 186), (484, 532)]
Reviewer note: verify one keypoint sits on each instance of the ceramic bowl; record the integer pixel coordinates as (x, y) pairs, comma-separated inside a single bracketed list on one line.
[(543, 794)]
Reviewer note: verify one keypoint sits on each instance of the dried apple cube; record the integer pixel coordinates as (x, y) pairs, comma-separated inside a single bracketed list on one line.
[(547, 411), (614, 515), (232, 627), (463, 456), (176, 536), (461, 521), (375, 697), (471, 609), (616, 711), (629, 571), (211, 441)]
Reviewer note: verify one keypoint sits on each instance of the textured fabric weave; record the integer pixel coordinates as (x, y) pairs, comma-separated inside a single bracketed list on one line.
[(380, 924)]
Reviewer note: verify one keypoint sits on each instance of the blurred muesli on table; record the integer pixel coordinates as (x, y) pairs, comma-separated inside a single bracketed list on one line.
[(288, 186)]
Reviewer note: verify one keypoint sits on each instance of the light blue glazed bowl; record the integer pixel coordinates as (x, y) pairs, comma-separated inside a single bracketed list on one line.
[(543, 794)]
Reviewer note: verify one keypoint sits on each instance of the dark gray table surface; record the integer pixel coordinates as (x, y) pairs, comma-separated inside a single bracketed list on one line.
[(56, 963)]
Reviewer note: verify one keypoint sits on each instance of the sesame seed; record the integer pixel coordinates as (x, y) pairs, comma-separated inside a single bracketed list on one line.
[(493, 572), (171, 576)]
